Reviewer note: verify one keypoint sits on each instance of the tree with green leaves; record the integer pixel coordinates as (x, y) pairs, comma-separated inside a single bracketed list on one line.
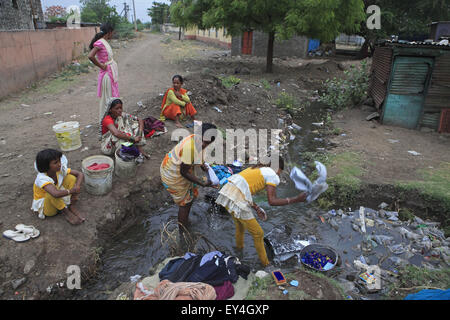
[(320, 19), (405, 19), (159, 12), (98, 11)]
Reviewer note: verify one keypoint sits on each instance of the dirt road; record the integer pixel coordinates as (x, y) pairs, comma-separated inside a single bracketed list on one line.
[(25, 130)]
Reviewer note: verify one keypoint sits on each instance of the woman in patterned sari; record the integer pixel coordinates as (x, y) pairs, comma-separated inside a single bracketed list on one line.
[(119, 127), (177, 170)]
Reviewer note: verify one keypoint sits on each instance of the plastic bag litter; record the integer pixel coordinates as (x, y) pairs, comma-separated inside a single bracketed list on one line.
[(302, 182), (381, 239), (283, 245), (397, 248)]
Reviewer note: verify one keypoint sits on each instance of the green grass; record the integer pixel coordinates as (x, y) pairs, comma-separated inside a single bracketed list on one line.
[(261, 287), (435, 183), (345, 183), (266, 85), (229, 81), (413, 279)]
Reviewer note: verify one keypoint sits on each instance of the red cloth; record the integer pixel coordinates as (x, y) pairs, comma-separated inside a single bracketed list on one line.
[(106, 122), (96, 166), (224, 291), (150, 133)]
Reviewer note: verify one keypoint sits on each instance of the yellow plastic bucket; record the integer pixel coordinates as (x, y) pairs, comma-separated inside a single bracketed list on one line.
[(68, 135)]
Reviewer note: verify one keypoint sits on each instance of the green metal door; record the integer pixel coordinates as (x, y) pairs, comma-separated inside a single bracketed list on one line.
[(406, 93)]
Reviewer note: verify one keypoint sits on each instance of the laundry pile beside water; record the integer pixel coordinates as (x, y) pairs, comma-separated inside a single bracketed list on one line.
[(196, 277)]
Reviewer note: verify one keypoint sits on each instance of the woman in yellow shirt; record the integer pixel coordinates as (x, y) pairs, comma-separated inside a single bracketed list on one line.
[(176, 103), (236, 197)]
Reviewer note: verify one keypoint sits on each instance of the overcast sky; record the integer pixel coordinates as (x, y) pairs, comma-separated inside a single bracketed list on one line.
[(141, 6)]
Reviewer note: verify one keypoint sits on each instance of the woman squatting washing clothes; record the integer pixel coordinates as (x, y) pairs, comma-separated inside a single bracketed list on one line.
[(236, 197), (101, 55), (56, 187), (118, 127)]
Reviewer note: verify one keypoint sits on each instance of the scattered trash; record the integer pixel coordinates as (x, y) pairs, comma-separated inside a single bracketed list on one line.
[(317, 124), (261, 274), (217, 109), (383, 205), (285, 292), (393, 141), (48, 113), (296, 127), (135, 278), (414, 153), (25, 105), (373, 116), (294, 283)]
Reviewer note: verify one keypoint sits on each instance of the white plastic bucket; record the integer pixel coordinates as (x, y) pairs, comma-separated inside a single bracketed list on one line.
[(124, 169), (98, 182), (68, 135)]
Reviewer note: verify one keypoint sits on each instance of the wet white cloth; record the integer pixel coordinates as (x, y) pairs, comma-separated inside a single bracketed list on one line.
[(212, 176), (302, 183)]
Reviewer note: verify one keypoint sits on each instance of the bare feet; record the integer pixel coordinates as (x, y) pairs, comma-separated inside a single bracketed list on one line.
[(71, 217), (178, 124), (79, 214)]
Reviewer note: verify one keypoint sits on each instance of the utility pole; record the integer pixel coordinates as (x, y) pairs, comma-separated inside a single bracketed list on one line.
[(33, 15), (135, 23)]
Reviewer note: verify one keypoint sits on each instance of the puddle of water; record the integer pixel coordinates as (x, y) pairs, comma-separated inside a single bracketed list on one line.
[(140, 248)]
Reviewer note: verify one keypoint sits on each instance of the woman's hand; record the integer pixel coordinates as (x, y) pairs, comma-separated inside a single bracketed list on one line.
[(103, 66), (204, 167), (260, 212), (137, 139), (300, 198), (75, 190), (178, 95), (207, 183)]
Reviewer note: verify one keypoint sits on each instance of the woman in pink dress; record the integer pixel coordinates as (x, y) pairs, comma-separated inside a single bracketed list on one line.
[(102, 56)]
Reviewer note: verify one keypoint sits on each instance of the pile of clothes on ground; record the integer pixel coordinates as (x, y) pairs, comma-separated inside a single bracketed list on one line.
[(196, 277), (153, 127)]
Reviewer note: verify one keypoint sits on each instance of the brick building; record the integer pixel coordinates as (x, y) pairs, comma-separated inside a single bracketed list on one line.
[(21, 15)]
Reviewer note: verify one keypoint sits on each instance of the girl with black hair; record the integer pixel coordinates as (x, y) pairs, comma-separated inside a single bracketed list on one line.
[(236, 198), (56, 188), (101, 55), (176, 104)]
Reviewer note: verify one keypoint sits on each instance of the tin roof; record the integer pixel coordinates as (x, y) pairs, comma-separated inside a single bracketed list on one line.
[(416, 44)]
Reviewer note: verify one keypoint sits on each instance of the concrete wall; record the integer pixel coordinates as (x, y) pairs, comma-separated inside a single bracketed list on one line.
[(17, 14), (27, 56), (295, 47), (218, 37)]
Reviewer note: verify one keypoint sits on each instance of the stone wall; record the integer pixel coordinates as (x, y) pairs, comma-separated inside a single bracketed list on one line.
[(294, 47), (27, 56), (17, 15)]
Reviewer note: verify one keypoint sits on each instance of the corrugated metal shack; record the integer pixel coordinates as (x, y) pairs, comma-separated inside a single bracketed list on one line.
[(410, 84)]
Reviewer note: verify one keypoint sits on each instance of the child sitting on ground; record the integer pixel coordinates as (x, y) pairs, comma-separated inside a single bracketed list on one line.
[(56, 188)]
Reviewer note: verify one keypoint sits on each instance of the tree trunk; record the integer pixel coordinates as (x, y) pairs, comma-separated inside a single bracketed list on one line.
[(364, 51), (269, 63), (179, 34)]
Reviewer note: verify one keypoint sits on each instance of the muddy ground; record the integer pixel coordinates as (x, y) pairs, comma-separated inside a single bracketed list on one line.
[(146, 66)]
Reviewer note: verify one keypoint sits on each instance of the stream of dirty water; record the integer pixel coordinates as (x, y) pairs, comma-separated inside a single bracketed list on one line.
[(137, 250)]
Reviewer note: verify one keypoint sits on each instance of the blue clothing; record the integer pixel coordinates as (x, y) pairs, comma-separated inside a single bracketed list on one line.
[(210, 256), (430, 294)]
